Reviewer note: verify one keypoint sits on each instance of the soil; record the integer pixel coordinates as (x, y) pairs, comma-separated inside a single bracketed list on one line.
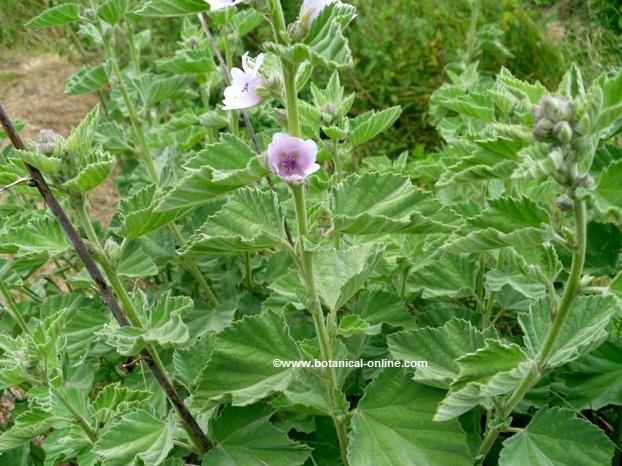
[(32, 90)]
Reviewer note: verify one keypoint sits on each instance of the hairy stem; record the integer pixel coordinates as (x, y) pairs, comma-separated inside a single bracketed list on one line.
[(570, 293), (190, 423), (11, 307)]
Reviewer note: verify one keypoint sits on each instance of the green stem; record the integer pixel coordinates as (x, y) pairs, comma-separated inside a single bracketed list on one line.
[(134, 55), (189, 264), (249, 270), (131, 109), (11, 307), (570, 293), (291, 97), (84, 424)]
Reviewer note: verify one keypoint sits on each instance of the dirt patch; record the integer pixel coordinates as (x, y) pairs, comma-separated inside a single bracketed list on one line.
[(32, 89)]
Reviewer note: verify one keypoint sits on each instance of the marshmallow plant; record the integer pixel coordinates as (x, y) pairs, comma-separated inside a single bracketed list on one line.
[(250, 235)]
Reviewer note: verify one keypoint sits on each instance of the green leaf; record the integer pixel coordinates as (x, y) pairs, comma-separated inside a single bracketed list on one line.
[(48, 165), (111, 11), (166, 88), (115, 398), (39, 236), (595, 380), (522, 89), (379, 307), (62, 14), (490, 238), (557, 436), (219, 169), (245, 436), (93, 170), (138, 212), (87, 79), (27, 426), (450, 275), (339, 274), (497, 279), (165, 327), (81, 138), (189, 363), (188, 61), (607, 195), (241, 366), (508, 214), (493, 370), (585, 330), (172, 7), (136, 435), (135, 262), (249, 221), (383, 203), (393, 426), (440, 347), (370, 124)]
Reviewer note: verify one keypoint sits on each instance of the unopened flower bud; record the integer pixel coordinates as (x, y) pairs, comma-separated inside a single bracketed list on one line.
[(48, 141), (270, 86), (584, 180), (555, 108), (563, 131), (564, 203), (112, 249), (297, 30), (557, 157), (542, 129)]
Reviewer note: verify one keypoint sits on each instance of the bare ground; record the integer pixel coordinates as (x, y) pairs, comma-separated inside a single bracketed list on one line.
[(32, 90)]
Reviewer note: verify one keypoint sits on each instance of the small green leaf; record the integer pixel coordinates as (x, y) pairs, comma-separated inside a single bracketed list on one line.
[(370, 124), (94, 168), (557, 436), (136, 435), (188, 61), (245, 436), (450, 275), (48, 165), (62, 14), (87, 79), (339, 274), (607, 195), (172, 7), (135, 262), (112, 11), (81, 138), (393, 426)]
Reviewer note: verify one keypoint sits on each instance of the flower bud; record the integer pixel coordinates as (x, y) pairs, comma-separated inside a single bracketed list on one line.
[(112, 249), (563, 131), (297, 31), (584, 180), (564, 203), (542, 129), (49, 142), (557, 157)]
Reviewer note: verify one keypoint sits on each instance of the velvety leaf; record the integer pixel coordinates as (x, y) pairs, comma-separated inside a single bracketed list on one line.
[(382, 203), (557, 436), (246, 436), (241, 365), (249, 221), (370, 124), (48, 165), (339, 274), (450, 275), (440, 347), (393, 426), (27, 426), (584, 330), (607, 195), (60, 14), (112, 10), (42, 235), (490, 371), (87, 79), (219, 169), (94, 169), (172, 7), (136, 435)]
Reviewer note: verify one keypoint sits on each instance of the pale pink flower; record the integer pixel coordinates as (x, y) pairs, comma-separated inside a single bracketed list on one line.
[(220, 4), (292, 158), (242, 93), (312, 8)]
